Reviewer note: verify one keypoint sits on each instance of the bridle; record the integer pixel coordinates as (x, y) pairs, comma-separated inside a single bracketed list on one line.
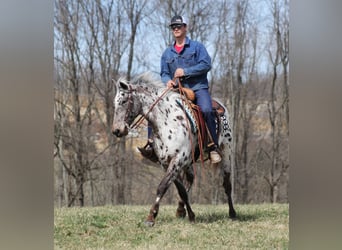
[(130, 105)]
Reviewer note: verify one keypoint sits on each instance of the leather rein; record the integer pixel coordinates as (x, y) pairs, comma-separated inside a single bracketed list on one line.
[(142, 117)]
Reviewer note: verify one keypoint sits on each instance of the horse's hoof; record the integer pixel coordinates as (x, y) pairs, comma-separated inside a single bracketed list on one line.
[(192, 221), (232, 214), (192, 217), (149, 223)]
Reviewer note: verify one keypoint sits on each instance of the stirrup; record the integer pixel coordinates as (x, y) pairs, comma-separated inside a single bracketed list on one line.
[(148, 152)]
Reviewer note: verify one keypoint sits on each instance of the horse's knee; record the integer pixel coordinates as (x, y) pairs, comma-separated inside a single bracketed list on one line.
[(165, 184)]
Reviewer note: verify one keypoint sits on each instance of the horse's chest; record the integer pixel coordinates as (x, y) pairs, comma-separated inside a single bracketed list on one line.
[(167, 152)]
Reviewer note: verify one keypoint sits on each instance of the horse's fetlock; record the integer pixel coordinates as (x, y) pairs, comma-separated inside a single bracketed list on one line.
[(191, 216)]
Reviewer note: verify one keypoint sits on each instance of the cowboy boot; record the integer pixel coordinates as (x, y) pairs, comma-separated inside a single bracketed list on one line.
[(215, 156), (148, 152)]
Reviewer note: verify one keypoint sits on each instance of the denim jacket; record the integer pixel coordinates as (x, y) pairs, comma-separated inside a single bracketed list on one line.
[(195, 61)]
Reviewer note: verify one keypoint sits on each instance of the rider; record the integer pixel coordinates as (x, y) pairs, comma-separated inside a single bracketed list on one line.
[(189, 61)]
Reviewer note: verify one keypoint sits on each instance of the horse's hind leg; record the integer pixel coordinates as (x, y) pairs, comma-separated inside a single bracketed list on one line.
[(185, 200), (228, 189), (188, 179)]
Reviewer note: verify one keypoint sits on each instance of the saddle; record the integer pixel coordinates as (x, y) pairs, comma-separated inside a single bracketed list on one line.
[(204, 136), (218, 110)]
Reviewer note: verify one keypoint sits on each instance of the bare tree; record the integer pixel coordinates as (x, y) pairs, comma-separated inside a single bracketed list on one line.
[(135, 13), (277, 101), (233, 61), (74, 125)]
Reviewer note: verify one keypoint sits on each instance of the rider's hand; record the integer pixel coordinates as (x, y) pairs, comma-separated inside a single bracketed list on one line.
[(179, 72), (170, 84)]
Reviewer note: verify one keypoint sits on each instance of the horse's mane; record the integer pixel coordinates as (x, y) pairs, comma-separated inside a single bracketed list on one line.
[(147, 78)]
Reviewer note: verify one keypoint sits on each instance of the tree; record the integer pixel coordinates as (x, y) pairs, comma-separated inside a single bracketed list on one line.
[(74, 127), (278, 102)]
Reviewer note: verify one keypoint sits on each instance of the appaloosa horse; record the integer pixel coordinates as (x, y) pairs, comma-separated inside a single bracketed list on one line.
[(174, 137)]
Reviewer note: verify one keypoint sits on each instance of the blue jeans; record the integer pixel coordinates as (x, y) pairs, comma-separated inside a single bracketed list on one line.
[(203, 100), (149, 130)]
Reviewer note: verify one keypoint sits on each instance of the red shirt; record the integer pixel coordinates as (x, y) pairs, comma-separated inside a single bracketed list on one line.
[(178, 48)]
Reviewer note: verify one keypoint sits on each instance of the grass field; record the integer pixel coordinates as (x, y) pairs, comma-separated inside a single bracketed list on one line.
[(264, 226)]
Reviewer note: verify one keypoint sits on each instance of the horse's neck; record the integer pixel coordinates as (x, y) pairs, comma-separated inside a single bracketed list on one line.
[(152, 101), (147, 98)]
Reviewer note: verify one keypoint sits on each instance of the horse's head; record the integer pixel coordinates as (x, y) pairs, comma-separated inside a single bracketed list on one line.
[(125, 108)]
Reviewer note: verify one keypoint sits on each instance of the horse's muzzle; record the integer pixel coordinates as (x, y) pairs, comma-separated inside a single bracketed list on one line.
[(119, 133), (116, 132)]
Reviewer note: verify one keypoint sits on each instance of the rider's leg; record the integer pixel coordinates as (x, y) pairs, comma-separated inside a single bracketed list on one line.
[(203, 100)]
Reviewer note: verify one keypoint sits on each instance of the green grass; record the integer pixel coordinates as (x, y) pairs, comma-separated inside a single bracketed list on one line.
[(122, 227)]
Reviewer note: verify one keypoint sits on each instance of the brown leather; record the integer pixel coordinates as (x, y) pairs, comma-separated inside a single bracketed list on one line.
[(200, 123), (189, 93), (219, 111)]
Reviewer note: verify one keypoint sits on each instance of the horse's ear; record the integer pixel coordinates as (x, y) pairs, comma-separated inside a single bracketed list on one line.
[(122, 84)]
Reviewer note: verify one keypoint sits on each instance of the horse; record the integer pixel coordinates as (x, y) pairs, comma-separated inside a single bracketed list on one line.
[(174, 138)]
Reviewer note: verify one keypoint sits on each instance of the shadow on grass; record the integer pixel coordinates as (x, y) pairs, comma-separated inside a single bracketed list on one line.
[(215, 217)]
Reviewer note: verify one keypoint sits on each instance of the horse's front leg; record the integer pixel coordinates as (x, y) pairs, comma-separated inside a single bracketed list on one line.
[(172, 173)]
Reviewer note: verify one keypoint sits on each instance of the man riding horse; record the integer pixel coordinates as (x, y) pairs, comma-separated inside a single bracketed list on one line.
[(189, 61)]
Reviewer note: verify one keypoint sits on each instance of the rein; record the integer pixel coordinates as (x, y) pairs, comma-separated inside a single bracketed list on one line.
[(141, 118), (200, 141)]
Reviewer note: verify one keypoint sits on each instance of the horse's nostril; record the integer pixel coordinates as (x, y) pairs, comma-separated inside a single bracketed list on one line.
[(116, 132)]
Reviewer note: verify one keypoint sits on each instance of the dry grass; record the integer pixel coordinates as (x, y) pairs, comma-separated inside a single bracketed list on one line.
[(121, 227)]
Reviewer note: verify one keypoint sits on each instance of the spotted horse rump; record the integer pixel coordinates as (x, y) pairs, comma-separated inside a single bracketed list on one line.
[(173, 135)]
